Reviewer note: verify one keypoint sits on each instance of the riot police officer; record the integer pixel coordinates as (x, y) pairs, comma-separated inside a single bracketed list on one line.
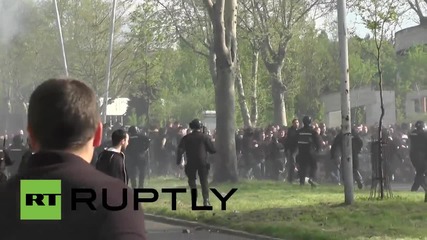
[(5, 161), (356, 148), (137, 156), (418, 154), (16, 151), (196, 145), (308, 143)]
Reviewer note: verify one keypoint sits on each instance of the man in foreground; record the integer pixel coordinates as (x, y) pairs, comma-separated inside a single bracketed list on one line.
[(64, 128)]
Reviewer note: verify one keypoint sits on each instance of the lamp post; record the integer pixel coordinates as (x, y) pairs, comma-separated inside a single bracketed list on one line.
[(110, 59)]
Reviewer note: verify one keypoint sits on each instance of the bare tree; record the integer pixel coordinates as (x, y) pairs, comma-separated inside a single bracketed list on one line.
[(420, 9), (194, 29), (252, 34), (277, 21), (223, 15)]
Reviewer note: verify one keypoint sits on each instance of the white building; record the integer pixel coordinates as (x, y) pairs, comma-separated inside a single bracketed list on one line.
[(116, 109), (409, 37), (209, 119), (366, 98), (416, 104)]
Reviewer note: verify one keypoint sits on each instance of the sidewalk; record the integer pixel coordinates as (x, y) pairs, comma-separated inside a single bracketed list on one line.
[(162, 231)]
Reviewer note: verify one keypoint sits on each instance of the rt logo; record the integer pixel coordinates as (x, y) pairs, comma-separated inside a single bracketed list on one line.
[(40, 200)]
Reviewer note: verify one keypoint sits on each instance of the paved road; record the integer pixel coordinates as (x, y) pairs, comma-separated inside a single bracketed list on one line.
[(161, 231)]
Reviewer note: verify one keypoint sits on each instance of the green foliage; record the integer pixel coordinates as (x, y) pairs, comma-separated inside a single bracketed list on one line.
[(135, 120), (152, 61), (183, 106), (379, 15)]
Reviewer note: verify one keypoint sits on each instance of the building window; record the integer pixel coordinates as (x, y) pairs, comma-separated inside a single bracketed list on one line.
[(420, 105)]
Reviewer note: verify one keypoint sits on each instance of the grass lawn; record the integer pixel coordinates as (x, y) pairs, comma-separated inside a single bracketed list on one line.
[(293, 212)]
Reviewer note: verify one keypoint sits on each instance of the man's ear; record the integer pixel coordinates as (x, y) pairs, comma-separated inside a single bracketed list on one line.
[(33, 142), (97, 140)]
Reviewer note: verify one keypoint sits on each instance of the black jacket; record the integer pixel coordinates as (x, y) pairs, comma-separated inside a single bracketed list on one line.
[(137, 148), (113, 164), (418, 142), (307, 140), (290, 143), (196, 145), (16, 153), (356, 142), (83, 223)]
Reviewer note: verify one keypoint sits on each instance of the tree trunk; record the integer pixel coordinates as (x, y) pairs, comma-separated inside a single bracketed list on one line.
[(254, 109), (212, 65), (226, 165), (242, 99), (147, 117), (223, 15), (278, 94)]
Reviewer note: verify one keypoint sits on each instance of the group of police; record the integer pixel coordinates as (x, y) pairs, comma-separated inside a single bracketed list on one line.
[(14, 156), (303, 153), (308, 145), (302, 148)]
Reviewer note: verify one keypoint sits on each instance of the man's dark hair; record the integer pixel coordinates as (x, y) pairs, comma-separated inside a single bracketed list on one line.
[(63, 114), (117, 136)]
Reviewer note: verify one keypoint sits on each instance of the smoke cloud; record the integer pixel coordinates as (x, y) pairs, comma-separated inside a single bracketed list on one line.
[(12, 13)]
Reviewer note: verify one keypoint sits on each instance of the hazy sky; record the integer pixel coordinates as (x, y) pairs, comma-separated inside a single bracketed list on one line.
[(355, 24)]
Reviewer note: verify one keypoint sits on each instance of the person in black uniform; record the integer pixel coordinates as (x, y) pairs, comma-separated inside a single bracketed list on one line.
[(196, 145), (16, 151), (291, 150), (137, 156), (418, 154), (25, 158), (308, 143), (356, 148), (5, 162)]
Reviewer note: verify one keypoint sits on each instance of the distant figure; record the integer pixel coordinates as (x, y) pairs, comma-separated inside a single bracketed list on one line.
[(137, 157), (418, 155), (357, 145), (308, 143), (25, 159), (16, 151)]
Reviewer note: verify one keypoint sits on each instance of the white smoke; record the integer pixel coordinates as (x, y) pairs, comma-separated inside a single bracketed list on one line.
[(12, 15)]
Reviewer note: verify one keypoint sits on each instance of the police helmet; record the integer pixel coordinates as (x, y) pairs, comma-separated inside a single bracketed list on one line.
[(196, 124), (306, 120), (419, 125), (133, 130), (17, 139), (385, 133), (354, 130)]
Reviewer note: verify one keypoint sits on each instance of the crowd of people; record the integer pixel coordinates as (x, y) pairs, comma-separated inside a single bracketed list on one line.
[(271, 152), (263, 153)]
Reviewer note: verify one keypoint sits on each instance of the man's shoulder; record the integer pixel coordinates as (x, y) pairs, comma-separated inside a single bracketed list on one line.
[(108, 153)]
